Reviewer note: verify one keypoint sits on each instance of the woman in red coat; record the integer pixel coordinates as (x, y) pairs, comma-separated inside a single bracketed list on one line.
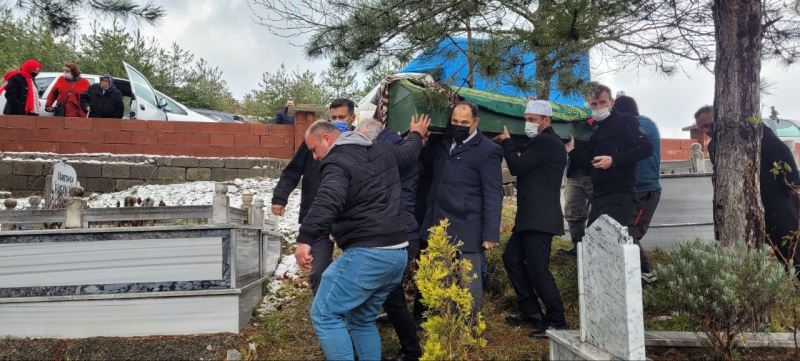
[(67, 91)]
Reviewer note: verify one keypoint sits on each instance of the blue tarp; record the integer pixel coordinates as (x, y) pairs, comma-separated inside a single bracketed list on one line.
[(447, 63)]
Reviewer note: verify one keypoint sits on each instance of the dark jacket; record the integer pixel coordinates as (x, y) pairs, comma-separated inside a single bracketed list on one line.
[(409, 177), (648, 170), (781, 205), (282, 117), (538, 169), (580, 160), (359, 201), (16, 94), (467, 189), (302, 165), (103, 103), (618, 136)]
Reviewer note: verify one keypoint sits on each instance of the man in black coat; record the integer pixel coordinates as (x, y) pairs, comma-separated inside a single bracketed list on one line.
[(358, 202), (467, 189), (103, 100), (303, 165), (283, 117), (778, 194), (539, 169), (616, 146)]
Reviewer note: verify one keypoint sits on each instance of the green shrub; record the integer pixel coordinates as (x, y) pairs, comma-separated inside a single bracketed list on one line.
[(726, 290), (443, 281)]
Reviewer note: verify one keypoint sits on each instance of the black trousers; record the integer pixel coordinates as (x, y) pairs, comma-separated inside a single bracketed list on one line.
[(322, 253), (527, 262), (401, 318), (619, 206)]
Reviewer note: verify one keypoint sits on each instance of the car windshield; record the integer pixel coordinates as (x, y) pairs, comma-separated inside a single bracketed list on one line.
[(787, 129), (172, 106), (42, 84)]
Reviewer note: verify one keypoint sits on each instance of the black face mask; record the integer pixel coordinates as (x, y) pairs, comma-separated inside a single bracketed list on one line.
[(459, 133), (34, 74)]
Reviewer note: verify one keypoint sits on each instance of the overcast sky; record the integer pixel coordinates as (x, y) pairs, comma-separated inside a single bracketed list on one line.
[(224, 33)]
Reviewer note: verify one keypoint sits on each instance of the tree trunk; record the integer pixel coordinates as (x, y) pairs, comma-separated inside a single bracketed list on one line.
[(470, 59), (738, 217), (544, 75)]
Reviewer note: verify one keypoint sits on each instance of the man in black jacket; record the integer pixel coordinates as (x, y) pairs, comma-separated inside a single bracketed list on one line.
[(103, 100), (303, 165), (358, 202), (538, 168), (616, 146), (467, 189), (778, 191), (283, 117)]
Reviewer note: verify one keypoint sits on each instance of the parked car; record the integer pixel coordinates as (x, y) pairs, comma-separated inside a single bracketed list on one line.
[(141, 100)]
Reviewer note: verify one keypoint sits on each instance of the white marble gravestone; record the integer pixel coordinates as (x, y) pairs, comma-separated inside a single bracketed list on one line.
[(610, 286), (58, 184)]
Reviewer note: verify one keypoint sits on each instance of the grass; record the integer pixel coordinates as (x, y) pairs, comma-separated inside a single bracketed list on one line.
[(287, 333)]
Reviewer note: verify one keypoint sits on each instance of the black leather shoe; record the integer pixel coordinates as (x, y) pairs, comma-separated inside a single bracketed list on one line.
[(518, 318), (569, 252), (541, 332)]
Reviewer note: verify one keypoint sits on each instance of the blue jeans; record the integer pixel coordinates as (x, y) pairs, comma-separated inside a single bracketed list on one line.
[(351, 293)]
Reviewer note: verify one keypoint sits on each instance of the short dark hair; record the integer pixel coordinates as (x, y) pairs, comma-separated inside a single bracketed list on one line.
[(472, 107), (595, 89), (704, 109), (626, 104), (341, 102)]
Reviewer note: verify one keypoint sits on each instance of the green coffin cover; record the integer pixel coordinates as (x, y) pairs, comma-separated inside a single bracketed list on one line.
[(408, 97)]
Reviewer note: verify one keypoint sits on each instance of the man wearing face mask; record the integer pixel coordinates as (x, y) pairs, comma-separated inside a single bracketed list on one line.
[(616, 146), (359, 202), (103, 100), (22, 98), (304, 166), (538, 168), (467, 189)]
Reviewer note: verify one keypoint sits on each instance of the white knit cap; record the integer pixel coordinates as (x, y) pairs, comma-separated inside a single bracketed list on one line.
[(539, 107)]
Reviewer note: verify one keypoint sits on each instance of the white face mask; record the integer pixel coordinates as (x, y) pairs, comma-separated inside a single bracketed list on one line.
[(601, 114), (531, 129), (67, 75)]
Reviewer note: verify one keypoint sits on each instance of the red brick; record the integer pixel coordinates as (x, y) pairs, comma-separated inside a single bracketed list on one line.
[(221, 140), (283, 153), (73, 148), (224, 128), (160, 126), (63, 135), (21, 121), (50, 122), (34, 135), (259, 129), (171, 139), (3, 122), (15, 147), (197, 139), (45, 147), (90, 136), (133, 124), (128, 149), (273, 141), (242, 140), (255, 152), (101, 148), (188, 127), (78, 123), (116, 137), (98, 123), (10, 134), (281, 129)]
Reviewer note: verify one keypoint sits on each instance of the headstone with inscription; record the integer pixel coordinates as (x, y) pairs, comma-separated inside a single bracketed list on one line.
[(58, 184)]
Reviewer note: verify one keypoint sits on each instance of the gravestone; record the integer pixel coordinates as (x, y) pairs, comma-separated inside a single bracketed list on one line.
[(610, 288), (58, 184)]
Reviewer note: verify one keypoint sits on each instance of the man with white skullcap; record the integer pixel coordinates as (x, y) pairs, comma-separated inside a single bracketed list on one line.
[(538, 168)]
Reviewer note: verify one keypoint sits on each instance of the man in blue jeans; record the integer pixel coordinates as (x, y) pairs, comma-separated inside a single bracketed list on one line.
[(358, 203)]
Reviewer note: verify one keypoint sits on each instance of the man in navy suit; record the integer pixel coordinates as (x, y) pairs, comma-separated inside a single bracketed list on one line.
[(467, 189)]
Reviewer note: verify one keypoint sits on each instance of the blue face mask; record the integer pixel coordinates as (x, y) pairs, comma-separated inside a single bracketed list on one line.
[(341, 125)]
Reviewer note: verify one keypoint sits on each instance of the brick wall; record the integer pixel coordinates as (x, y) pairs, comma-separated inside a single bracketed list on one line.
[(676, 149), (117, 136)]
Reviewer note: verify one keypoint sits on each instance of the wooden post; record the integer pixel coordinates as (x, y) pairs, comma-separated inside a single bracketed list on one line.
[(257, 213), (220, 212)]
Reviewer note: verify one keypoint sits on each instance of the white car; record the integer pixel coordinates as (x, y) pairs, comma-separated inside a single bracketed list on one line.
[(141, 100)]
